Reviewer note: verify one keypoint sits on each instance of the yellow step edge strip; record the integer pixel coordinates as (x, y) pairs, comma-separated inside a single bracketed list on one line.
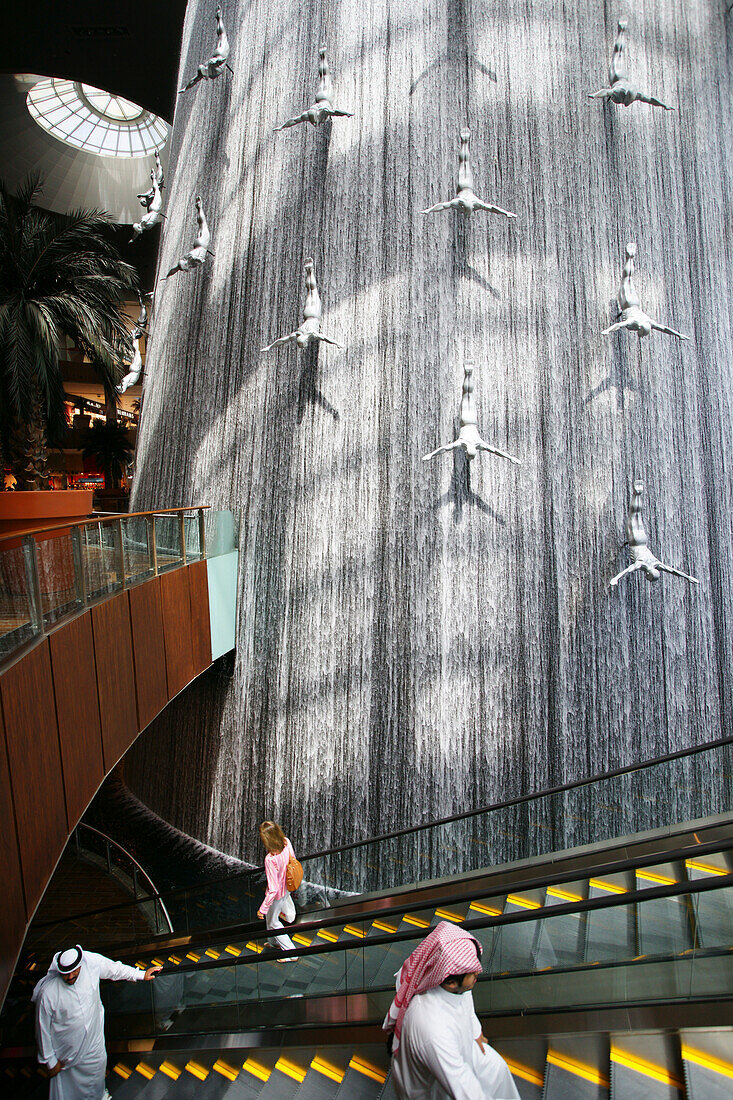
[(174, 959), (332, 1072), (707, 1061), (578, 1069), (226, 1070), (252, 946), (417, 921), (200, 1072), (527, 1074), (261, 1072), (708, 868), (157, 962), (565, 895), (367, 1069), (170, 1070), (445, 914), (652, 876), (291, 1070), (122, 1071), (523, 903), (193, 956), (383, 927), (354, 931), (478, 907), (647, 1069), (231, 950), (611, 887), (145, 1071), (325, 934), (302, 940), (212, 953)]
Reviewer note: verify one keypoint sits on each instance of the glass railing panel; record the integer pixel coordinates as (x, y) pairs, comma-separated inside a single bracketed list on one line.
[(221, 532), (168, 542), (192, 533), (19, 616), (137, 549), (59, 583), (101, 556)]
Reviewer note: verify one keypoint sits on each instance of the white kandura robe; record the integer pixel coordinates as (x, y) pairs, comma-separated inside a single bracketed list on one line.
[(70, 1026), (438, 1057)]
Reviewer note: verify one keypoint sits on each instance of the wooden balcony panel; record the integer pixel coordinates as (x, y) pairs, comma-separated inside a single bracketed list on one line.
[(77, 710), (176, 603), (13, 913), (36, 775), (200, 624), (115, 677), (148, 647)]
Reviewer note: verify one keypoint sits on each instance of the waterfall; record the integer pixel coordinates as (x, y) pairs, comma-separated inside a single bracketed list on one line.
[(416, 638)]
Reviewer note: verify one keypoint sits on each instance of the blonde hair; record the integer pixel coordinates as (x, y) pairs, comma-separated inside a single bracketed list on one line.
[(272, 836)]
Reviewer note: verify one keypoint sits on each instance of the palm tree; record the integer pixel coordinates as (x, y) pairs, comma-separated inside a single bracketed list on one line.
[(60, 275), (109, 444)]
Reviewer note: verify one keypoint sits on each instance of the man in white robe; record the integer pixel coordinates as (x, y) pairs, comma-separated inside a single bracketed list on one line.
[(439, 1050), (70, 1021)]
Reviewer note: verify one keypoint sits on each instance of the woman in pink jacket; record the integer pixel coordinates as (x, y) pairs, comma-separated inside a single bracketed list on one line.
[(277, 899)]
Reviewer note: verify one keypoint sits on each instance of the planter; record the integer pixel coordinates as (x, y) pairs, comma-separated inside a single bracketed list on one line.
[(29, 511)]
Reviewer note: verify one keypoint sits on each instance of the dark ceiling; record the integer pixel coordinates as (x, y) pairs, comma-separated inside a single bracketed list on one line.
[(128, 47)]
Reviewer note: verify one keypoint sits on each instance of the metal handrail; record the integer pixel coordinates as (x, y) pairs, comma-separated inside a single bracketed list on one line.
[(99, 517), (139, 872)]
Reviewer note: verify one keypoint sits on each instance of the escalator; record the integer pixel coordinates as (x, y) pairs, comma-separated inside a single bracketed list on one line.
[(608, 972)]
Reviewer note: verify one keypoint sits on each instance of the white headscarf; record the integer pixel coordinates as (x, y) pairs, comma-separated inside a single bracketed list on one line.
[(56, 969)]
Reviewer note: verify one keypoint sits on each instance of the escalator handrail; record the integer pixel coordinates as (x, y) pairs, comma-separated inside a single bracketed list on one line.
[(255, 931), (519, 800), (631, 897)]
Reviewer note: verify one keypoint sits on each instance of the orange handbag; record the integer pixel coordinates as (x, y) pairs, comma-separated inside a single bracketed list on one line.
[(293, 874)]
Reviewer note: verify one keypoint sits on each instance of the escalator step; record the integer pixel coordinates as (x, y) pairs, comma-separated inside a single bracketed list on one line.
[(568, 1079), (708, 1076), (636, 1079)]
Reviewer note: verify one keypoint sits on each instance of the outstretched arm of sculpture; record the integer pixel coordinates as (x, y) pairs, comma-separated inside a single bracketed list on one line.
[(495, 451), (623, 323), (624, 572), (294, 121), (192, 81), (481, 205), (342, 114), (677, 572), (441, 450), (440, 206), (642, 98), (280, 340), (326, 339), (604, 93), (670, 331)]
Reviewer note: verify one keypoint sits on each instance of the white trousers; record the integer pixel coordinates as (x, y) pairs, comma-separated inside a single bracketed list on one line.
[(272, 918)]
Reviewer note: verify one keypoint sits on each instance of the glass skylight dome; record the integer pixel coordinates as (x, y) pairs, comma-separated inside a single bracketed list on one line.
[(96, 121)]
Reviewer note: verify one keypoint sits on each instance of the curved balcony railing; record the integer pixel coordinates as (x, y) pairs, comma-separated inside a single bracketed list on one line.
[(49, 575)]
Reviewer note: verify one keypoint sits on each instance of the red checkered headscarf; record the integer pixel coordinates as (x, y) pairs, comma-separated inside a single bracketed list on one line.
[(447, 950)]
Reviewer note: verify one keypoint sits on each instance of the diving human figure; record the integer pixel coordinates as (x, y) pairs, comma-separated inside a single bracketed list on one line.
[(639, 552), (196, 255), (631, 315), (310, 330), (323, 108), (134, 368), (149, 195), (142, 317), (153, 215), (622, 90), (468, 435), (466, 199), (219, 60)]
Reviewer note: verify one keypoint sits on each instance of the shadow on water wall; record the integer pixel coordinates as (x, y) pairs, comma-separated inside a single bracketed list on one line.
[(411, 645)]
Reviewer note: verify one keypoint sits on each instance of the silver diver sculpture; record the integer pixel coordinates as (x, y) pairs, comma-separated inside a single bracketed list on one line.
[(323, 109), (631, 315), (639, 552), (196, 255), (310, 330), (135, 367), (622, 90), (468, 435), (152, 215), (466, 199), (219, 60), (147, 197)]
